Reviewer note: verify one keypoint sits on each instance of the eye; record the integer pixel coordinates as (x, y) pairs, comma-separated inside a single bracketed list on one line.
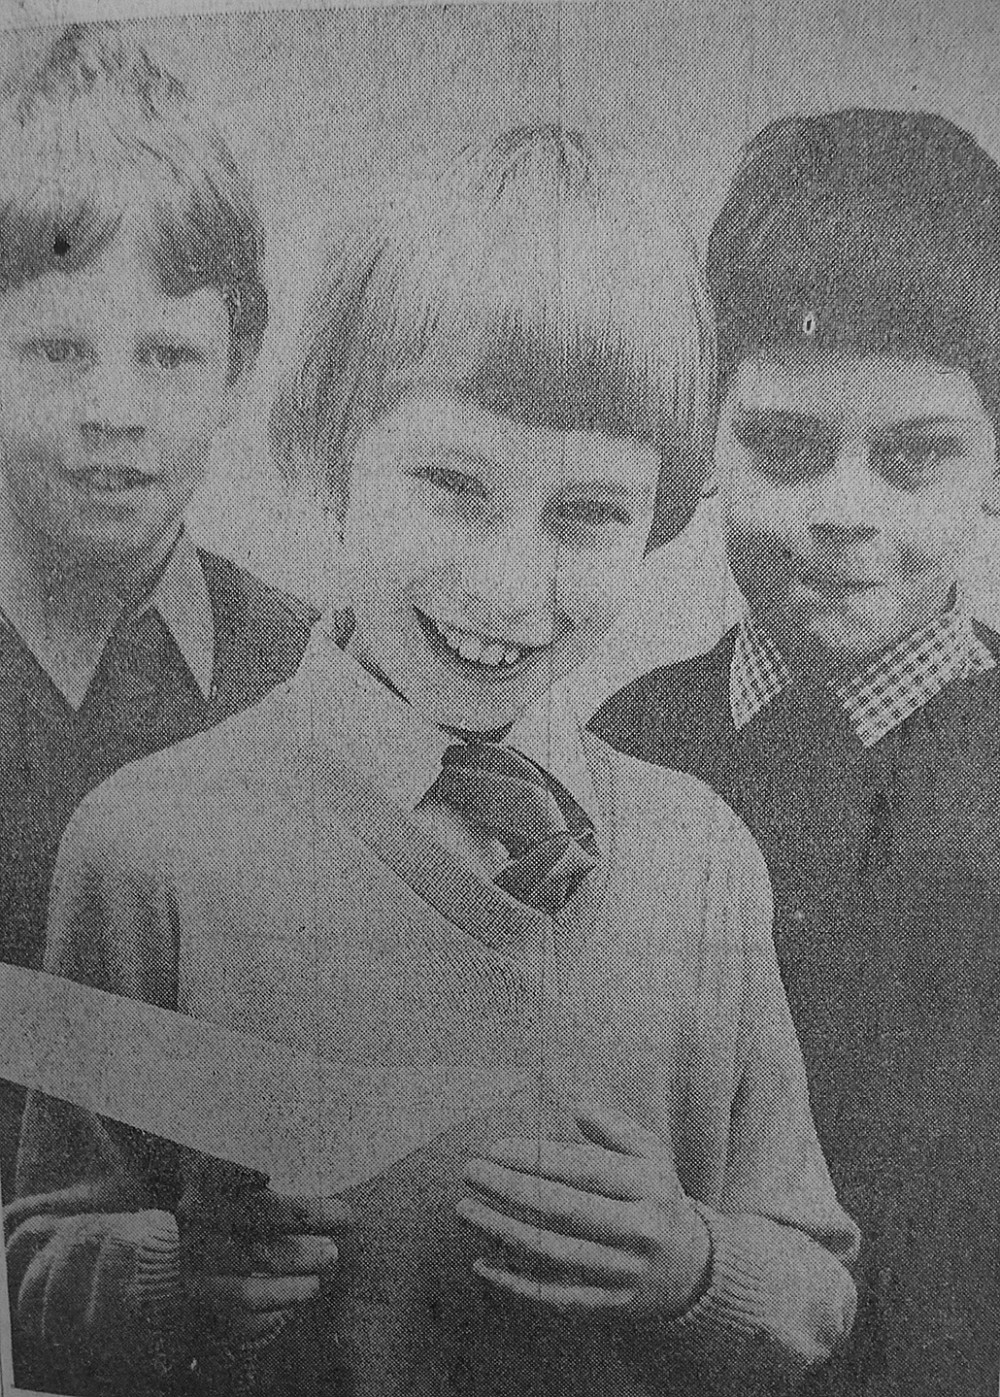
[(908, 465), (592, 513), (452, 482), (785, 450), (60, 351), (169, 356)]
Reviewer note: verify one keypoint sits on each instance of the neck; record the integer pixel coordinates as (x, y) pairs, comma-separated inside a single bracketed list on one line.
[(80, 592), (812, 663)]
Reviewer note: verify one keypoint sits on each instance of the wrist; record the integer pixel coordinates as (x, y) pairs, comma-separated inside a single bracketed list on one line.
[(691, 1271)]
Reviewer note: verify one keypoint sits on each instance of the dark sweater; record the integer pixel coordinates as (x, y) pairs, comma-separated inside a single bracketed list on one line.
[(51, 755), (886, 871)]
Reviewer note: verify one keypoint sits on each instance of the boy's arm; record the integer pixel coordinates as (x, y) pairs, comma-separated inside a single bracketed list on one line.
[(130, 1258), (93, 1252), (780, 1297)]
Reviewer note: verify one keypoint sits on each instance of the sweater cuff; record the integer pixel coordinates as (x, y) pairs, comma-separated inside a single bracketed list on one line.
[(771, 1287), (157, 1284)]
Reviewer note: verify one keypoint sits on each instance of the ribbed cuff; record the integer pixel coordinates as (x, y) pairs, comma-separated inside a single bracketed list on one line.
[(755, 1296), (157, 1266)]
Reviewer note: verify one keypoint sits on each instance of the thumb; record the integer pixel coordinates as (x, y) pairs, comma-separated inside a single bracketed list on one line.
[(614, 1130)]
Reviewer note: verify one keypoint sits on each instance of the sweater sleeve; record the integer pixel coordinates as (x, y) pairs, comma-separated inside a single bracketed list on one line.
[(92, 1243), (780, 1297)]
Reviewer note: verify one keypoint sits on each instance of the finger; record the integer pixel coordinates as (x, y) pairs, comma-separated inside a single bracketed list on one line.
[(270, 1214), (615, 1130), (26, 1242), (252, 1293), (589, 1167), (304, 1255), (574, 1255), (575, 1212), (108, 1195), (584, 1298)]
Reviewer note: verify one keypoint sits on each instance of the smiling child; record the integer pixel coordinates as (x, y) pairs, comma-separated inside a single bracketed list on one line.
[(851, 716), (131, 314), (574, 1135)]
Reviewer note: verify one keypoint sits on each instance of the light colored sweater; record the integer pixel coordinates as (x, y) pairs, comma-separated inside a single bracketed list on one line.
[(232, 879)]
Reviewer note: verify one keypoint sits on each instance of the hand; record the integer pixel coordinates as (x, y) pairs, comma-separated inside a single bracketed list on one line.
[(250, 1257), (601, 1228)]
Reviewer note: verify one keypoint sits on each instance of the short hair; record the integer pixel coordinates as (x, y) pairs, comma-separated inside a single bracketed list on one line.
[(97, 130), (869, 229), (532, 277)]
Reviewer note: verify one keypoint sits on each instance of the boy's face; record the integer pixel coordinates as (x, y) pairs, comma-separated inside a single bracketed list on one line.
[(489, 557), (852, 486), (110, 393)]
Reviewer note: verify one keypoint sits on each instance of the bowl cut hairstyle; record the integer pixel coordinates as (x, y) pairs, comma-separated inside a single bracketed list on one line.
[(531, 277), (97, 130), (872, 230)]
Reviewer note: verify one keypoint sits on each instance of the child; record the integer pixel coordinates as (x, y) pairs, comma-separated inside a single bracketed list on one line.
[(851, 717), (566, 1108), (131, 313)]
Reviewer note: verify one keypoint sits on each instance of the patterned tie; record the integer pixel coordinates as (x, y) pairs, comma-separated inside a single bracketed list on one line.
[(549, 839)]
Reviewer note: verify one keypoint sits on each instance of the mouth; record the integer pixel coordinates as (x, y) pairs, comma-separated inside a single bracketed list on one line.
[(491, 656), (827, 586), (111, 480)]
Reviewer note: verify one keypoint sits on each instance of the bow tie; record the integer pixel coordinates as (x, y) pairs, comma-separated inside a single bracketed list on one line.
[(548, 837)]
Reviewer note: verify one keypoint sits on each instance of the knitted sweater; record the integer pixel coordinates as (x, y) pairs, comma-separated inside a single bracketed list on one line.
[(230, 878), (51, 755), (885, 865)]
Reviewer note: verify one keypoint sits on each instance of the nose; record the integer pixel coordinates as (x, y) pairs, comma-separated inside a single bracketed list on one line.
[(112, 410), (510, 570), (846, 499)]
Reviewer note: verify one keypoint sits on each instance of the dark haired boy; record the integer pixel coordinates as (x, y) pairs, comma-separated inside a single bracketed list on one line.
[(851, 717), (131, 313)]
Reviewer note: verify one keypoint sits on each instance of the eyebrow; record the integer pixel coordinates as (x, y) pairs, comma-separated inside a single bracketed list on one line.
[(913, 425), (610, 489), (917, 425), (40, 331), (784, 415)]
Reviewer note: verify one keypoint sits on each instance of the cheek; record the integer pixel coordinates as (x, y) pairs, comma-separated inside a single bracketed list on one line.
[(389, 540), (935, 531), (592, 588)]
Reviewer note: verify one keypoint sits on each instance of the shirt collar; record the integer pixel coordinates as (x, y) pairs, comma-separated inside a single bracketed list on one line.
[(880, 696), (379, 732), (69, 648)]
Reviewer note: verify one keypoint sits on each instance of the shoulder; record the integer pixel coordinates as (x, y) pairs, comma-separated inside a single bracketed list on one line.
[(190, 796), (257, 625), (670, 824), (653, 717)]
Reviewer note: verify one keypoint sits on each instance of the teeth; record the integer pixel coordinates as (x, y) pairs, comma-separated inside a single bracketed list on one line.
[(476, 650)]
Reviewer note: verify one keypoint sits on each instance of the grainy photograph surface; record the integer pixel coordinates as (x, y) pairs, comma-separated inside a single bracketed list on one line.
[(499, 699)]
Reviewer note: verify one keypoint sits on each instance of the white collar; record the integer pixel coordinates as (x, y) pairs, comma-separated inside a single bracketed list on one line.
[(381, 734)]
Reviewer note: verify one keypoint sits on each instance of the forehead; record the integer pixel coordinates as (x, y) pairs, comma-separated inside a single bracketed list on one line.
[(117, 286), (513, 454), (837, 385)]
